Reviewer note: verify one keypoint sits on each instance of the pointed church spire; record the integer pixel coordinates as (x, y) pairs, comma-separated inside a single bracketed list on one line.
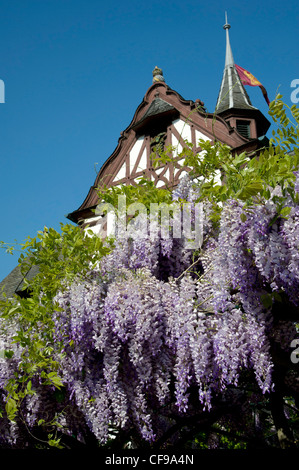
[(229, 60), (232, 92)]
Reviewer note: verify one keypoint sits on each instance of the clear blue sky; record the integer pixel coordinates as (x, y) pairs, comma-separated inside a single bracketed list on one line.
[(76, 70)]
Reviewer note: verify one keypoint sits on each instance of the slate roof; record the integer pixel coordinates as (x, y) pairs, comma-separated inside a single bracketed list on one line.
[(158, 109), (232, 92), (14, 282), (158, 106)]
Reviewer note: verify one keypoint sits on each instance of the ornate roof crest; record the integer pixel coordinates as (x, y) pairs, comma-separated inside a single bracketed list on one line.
[(158, 75)]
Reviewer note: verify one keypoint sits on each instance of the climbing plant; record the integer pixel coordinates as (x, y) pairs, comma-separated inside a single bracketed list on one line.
[(141, 341)]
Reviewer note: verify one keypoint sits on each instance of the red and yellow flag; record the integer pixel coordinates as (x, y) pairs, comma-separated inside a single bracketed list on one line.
[(248, 79)]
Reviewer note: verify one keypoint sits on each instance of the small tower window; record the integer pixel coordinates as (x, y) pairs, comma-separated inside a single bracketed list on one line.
[(243, 127)]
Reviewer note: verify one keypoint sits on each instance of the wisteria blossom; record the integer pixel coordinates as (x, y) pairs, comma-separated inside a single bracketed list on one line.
[(159, 328)]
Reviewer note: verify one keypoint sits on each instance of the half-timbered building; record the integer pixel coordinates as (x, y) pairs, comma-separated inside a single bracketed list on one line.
[(165, 118)]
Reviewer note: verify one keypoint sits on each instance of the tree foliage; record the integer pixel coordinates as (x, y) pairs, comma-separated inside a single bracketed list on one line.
[(143, 342)]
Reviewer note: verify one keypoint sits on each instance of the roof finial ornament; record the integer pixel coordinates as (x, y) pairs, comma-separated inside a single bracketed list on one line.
[(227, 25), (229, 60), (158, 75)]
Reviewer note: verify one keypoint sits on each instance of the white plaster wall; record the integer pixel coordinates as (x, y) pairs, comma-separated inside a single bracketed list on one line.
[(200, 135), (121, 173), (135, 152), (183, 129)]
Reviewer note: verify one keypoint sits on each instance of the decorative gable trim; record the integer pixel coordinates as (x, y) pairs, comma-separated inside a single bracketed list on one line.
[(162, 113)]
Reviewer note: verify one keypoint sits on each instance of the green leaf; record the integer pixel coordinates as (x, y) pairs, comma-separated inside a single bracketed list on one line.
[(267, 300), (11, 409), (277, 296), (285, 211), (8, 354), (55, 443), (55, 379), (250, 190)]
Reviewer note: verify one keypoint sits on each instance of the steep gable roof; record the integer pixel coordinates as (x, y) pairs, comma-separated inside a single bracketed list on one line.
[(162, 111)]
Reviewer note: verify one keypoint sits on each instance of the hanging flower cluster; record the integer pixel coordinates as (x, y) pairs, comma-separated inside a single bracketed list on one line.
[(145, 330)]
